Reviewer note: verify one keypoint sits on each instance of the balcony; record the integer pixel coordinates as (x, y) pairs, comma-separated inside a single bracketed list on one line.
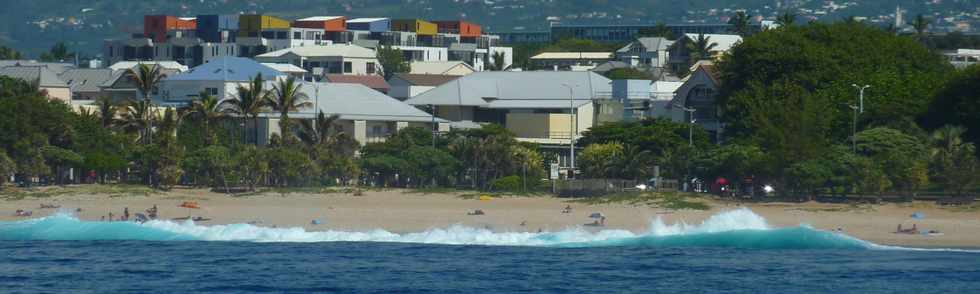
[(541, 128)]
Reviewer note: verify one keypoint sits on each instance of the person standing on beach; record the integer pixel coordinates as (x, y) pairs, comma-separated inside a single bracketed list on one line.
[(125, 216)]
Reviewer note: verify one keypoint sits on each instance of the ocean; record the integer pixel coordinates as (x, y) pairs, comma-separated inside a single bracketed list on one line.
[(735, 252)]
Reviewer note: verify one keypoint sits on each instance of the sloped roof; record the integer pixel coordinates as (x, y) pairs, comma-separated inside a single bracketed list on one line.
[(44, 76), (56, 67), (425, 79), (364, 19), (650, 44), (124, 65), (370, 44), (482, 88), (227, 69), (436, 67), (86, 79), (344, 50), (371, 81), (285, 67), (319, 18), (725, 42), (610, 65), (358, 102)]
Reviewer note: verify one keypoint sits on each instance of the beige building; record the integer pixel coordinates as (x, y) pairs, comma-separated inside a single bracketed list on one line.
[(46, 79), (543, 107), (449, 68)]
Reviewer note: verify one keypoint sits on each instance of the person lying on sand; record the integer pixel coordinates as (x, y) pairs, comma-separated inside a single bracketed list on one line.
[(913, 230), (567, 209), (23, 213), (476, 212), (49, 206)]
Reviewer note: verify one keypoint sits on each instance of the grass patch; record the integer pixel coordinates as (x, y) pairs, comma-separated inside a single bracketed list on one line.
[(432, 190), (669, 200), (116, 190), (963, 208)]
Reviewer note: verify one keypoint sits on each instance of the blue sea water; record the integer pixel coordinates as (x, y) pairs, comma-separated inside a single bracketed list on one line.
[(730, 252)]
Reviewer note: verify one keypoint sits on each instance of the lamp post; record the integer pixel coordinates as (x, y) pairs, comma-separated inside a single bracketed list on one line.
[(435, 128), (860, 96), (690, 127), (571, 130)]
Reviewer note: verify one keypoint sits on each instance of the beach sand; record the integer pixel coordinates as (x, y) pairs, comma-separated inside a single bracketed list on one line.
[(403, 211)]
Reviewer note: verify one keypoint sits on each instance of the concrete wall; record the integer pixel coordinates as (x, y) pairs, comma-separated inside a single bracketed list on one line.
[(63, 94)]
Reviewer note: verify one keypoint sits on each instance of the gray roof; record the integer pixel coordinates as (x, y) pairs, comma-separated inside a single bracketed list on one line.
[(610, 65), (227, 69), (44, 76), (56, 67), (650, 44), (370, 44), (86, 79), (358, 102), (533, 88)]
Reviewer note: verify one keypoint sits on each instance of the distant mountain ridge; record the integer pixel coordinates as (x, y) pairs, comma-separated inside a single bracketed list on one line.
[(34, 26)]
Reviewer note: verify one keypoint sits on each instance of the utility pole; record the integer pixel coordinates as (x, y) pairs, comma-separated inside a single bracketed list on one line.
[(435, 128), (690, 127), (571, 130)]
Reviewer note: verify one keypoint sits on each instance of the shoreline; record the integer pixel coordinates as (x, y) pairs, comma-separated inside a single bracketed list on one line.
[(406, 211)]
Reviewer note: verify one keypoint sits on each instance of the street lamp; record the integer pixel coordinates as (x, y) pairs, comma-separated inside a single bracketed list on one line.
[(690, 127), (861, 96), (571, 129)]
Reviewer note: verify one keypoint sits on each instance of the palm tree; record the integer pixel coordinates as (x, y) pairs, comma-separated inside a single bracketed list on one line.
[(206, 108), (946, 141), (137, 118), (107, 111), (319, 130), (701, 48), (786, 19), (633, 163), (740, 23), (921, 25), (286, 96), (249, 102), (498, 61), (146, 78)]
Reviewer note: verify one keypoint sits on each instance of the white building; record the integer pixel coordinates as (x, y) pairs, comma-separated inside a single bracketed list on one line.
[(404, 86), (648, 52), (219, 78), (345, 59)]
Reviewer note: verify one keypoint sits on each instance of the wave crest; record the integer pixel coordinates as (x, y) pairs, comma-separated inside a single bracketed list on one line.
[(739, 228)]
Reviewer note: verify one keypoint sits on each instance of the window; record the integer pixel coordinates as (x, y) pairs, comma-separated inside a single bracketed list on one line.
[(348, 67), (211, 91), (376, 130), (269, 35), (282, 35), (370, 68), (297, 35)]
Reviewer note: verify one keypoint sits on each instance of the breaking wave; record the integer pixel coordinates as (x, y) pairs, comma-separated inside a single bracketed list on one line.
[(735, 229)]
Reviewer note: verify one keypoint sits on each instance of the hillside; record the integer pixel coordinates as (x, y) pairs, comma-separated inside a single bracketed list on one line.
[(33, 26)]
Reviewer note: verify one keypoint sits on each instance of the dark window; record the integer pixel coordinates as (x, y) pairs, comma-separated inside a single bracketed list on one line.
[(212, 91), (282, 35), (348, 67), (297, 35), (370, 67), (269, 35)]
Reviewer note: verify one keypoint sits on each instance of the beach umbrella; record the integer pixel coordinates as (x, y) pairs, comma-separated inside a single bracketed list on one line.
[(596, 215), (918, 215)]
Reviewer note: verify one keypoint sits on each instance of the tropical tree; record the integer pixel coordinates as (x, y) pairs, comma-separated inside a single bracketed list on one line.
[(498, 61), (701, 48), (107, 111), (921, 25), (7, 167), (146, 77), (740, 23), (9, 53), (249, 102), (786, 19), (392, 61), (598, 160), (137, 117), (208, 110), (59, 52), (286, 96)]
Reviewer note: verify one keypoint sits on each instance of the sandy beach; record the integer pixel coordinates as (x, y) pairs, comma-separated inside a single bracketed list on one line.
[(403, 211)]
